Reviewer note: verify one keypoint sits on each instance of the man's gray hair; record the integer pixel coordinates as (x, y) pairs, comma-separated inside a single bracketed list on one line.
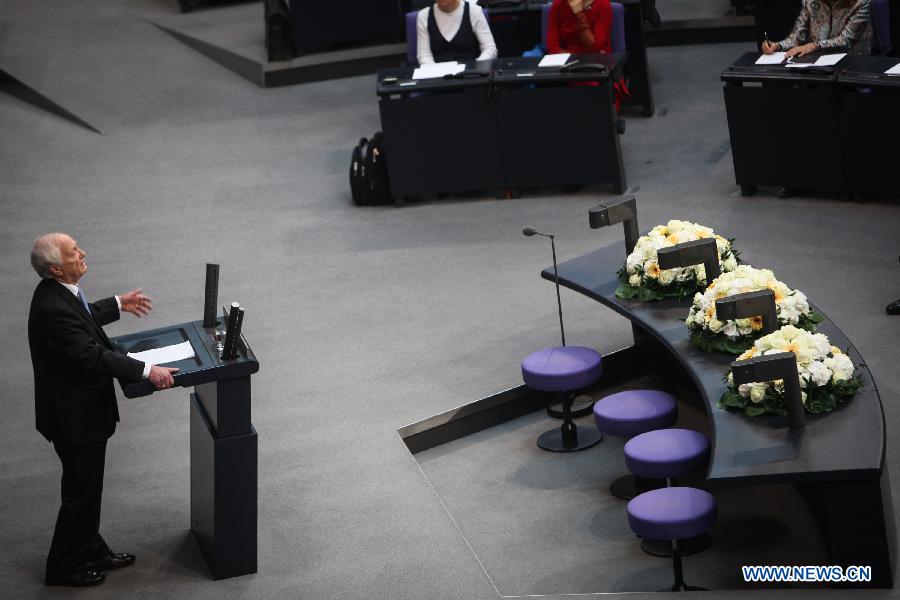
[(46, 254)]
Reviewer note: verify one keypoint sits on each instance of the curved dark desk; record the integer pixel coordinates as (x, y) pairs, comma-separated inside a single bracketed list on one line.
[(837, 461)]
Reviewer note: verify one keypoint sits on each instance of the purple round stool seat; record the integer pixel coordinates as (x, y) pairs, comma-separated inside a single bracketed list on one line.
[(672, 513), (666, 453), (562, 369), (633, 412)]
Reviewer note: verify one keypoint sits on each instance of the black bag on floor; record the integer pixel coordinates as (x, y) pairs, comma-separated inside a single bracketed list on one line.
[(279, 38), (358, 171), (368, 173)]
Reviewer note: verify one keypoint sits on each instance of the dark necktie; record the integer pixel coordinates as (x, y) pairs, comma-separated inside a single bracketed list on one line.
[(84, 301)]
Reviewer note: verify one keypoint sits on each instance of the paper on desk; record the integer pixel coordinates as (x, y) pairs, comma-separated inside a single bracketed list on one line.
[(826, 60), (776, 58), (554, 60), (435, 70), (895, 70), (166, 354)]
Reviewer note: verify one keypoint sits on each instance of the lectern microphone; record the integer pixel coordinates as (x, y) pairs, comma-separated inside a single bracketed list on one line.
[(530, 231), (211, 296), (233, 333)]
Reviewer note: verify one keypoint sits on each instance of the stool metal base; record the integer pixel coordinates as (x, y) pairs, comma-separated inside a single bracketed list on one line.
[(584, 438), (684, 588), (581, 407), (629, 486), (687, 546)]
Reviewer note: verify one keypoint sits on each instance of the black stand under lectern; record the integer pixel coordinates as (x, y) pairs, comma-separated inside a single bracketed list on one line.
[(223, 442)]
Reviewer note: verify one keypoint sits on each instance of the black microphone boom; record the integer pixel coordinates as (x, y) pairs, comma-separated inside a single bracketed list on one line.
[(530, 231)]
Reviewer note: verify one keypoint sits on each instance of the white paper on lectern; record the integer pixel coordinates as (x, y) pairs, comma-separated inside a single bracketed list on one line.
[(435, 70), (166, 354), (895, 70), (776, 58), (554, 60)]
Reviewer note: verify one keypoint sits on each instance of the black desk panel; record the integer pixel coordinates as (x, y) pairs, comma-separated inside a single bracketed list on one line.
[(826, 130), (443, 141), (783, 126), (574, 145), (501, 129), (869, 104), (785, 137)]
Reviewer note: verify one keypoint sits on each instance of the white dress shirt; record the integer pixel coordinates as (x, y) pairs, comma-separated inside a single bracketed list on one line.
[(448, 24), (74, 289)]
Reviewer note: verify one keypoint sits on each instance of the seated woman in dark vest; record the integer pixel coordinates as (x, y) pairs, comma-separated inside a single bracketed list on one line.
[(453, 30)]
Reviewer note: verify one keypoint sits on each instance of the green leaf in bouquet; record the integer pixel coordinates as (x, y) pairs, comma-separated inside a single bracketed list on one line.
[(731, 400), (645, 294), (738, 346), (754, 410), (626, 291)]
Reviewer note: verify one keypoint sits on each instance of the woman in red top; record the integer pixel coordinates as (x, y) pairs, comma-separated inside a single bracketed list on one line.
[(579, 26), (583, 27)]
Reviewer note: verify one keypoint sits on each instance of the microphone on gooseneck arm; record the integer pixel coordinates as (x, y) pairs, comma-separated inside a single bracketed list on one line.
[(530, 231)]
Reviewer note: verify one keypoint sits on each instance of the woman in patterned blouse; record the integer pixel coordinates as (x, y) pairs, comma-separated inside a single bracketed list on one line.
[(828, 25)]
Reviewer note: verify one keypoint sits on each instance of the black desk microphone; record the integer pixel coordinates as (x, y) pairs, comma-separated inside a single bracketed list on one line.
[(530, 231)]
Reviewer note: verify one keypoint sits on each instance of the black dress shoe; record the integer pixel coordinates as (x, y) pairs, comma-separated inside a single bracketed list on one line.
[(893, 308), (115, 560), (81, 578)]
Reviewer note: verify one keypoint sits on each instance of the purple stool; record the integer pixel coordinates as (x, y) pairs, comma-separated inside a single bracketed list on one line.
[(667, 454), (564, 369), (673, 513), (630, 413)]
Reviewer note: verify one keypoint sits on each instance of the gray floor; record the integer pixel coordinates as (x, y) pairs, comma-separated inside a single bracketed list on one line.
[(364, 320), (545, 524)]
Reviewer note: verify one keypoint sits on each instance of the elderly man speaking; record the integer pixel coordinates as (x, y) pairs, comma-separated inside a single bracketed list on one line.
[(75, 402)]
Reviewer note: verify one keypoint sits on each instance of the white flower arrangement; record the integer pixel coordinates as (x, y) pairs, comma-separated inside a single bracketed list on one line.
[(736, 336), (642, 278), (827, 375)]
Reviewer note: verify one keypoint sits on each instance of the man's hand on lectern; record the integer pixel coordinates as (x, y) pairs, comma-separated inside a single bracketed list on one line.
[(161, 377), (136, 302)]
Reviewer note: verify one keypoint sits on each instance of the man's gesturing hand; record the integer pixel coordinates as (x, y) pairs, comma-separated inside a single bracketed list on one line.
[(161, 377), (136, 302)]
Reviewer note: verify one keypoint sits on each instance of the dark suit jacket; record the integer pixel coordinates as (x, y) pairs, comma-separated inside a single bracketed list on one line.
[(74, 365)]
